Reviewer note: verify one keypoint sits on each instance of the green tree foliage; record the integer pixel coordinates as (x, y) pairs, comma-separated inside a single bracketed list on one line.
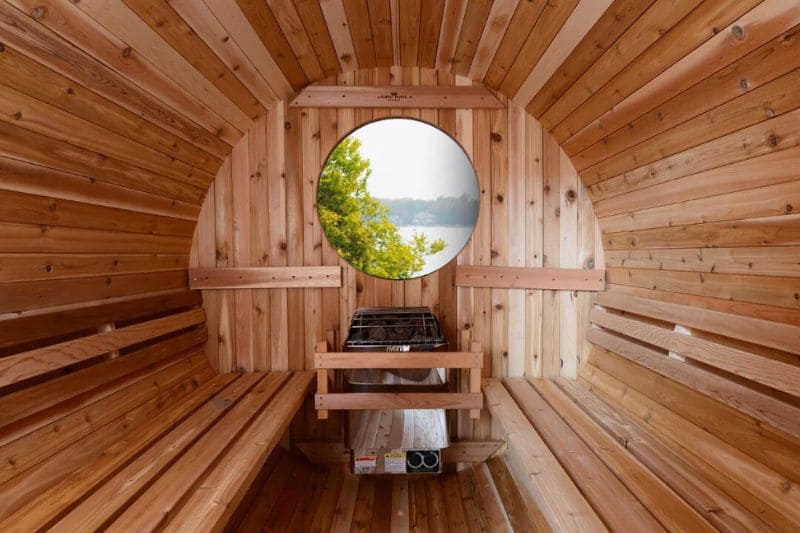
[(357, 225)]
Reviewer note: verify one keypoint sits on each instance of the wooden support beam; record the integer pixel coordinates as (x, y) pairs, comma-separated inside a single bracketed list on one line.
[(417, 97), (328, 452), (475, 377), (530, 278), (322, 379), (265, 277), (351, 360), (398, 400), (471, 451)]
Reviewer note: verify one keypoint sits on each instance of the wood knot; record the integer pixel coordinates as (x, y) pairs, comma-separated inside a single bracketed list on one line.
[(70, 90), (48, 268), (737, 32), (772, 140), (108, 281), (499, 307), (2, 47), (499, 198), (17, 115), (571, 195), (282, 245), (127, 51), (287, 125), (789, 208), (744, 84), (39, 12), (496, 137)]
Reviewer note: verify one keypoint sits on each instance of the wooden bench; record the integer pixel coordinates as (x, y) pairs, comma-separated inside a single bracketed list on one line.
[(681, 419), (114, 419)]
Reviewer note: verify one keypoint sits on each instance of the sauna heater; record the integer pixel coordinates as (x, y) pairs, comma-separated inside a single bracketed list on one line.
[(396, 441)]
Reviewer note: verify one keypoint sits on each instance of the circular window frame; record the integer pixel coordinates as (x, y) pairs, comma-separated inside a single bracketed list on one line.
[(427, 123)]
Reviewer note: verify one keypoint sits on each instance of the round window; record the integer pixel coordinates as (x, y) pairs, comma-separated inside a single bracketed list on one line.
[(398, 198)]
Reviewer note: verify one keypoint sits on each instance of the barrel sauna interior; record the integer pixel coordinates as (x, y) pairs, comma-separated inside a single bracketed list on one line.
[(632, 284)]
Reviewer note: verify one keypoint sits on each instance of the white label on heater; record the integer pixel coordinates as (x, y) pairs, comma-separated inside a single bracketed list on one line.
[(394, 462), (365, 464)]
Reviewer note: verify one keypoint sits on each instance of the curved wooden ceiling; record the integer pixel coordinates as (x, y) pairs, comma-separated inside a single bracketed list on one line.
[(134, 104)]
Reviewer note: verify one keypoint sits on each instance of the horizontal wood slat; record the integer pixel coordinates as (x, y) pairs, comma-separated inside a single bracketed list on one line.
[(773, 373), (52, 324), (761, 406), (36, 362), (397, 97), (398, 400), (265, 277), (779, 336), (353, 360), (530, 278)]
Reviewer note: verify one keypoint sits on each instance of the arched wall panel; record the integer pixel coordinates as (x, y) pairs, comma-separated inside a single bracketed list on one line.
[(533, 213)]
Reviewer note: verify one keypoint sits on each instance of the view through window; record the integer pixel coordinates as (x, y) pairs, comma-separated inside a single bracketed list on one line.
[(398, 198)]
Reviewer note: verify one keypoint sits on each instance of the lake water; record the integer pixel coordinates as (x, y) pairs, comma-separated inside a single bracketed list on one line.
[(455, 237)]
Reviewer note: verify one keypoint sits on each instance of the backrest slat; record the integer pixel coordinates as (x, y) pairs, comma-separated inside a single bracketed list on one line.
[(26, 365)]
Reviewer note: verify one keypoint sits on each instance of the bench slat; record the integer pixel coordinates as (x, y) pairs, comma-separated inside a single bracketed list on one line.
[(59, 462), (213, 503), (562, 502), (156, 505), (610, 498), (674, 513), (712, 503), (95, 511), (42, 510)]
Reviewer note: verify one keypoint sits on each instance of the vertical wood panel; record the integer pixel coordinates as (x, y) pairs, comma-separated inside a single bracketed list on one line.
[(534, 235), (551, 255), (259, 239), (568, 310), (241, 223), (278, 298)]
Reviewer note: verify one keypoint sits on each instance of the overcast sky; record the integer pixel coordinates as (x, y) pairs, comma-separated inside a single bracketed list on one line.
[(411, 159)]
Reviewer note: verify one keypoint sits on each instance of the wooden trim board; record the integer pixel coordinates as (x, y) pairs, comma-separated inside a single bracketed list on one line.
[(398, 400), (393, 96), (353, 360), (265, 277), (530, 278), (324, 451)]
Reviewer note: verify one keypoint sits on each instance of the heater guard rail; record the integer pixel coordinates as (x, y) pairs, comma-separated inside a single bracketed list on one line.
[(325, 362)]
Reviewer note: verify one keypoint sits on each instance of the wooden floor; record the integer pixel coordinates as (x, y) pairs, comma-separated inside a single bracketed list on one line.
[(295, 495)]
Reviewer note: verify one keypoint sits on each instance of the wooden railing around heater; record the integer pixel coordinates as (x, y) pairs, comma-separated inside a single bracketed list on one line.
[(325, 361)]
